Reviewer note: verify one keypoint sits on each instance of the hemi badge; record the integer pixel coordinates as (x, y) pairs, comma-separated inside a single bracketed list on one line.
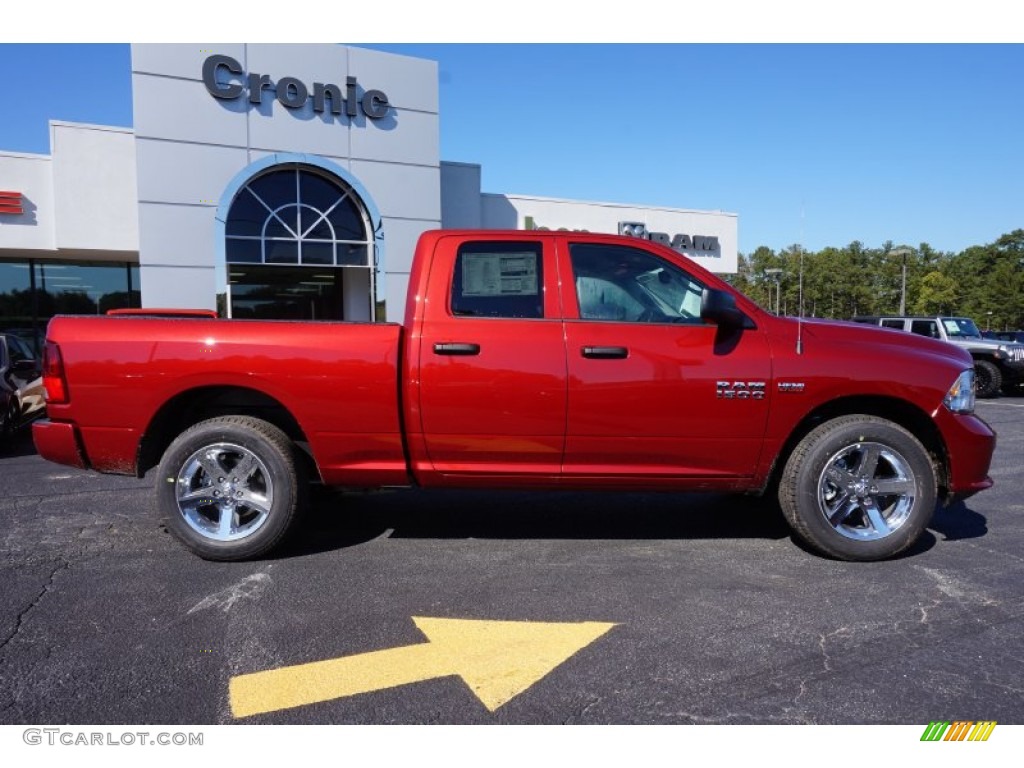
[(791, 386)]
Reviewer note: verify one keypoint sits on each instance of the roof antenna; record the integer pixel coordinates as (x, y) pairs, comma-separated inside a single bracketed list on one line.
[(800, 294)]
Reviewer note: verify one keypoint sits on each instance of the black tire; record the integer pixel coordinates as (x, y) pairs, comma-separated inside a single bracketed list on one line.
[(231, 487), (858, 488), (988, 379)]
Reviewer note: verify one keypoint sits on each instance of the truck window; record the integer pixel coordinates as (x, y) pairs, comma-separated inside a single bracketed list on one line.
[(498, 279), (960, 328), (897, 324), (925, 328), (615, 282)]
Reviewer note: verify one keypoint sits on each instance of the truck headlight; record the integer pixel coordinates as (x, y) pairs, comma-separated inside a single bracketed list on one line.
[(960, 397)]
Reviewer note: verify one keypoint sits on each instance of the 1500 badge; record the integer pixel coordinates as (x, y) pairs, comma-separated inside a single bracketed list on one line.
[(740, 390)]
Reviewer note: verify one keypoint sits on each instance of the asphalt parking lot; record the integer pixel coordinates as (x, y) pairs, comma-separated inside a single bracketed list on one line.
[(653, 609)]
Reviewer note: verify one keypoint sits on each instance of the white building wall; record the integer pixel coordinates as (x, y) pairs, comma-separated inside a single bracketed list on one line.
[(94, 189), (179, 125), (35, 228), (513, 212)]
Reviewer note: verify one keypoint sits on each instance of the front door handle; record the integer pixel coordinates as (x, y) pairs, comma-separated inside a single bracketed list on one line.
[(605, 353), (456, 348)]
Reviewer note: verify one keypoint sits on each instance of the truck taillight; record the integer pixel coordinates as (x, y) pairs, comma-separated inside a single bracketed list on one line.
[(53, 374)]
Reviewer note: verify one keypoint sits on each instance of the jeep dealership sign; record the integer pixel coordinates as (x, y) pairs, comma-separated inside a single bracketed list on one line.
[(706, 246)]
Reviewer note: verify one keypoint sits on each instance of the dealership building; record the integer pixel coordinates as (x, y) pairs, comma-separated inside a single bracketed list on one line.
[(270, 181)]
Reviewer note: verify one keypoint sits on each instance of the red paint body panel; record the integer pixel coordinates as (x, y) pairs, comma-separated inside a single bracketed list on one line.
[(656, 413), (338, 380), (971, 444), (379, 405), (58, 443), (501, 411)]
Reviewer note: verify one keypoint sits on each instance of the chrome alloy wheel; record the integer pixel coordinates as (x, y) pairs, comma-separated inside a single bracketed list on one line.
[(224, 492), (867, 491)]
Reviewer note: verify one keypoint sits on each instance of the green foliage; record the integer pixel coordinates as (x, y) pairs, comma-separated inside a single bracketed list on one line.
[(985, 282), (937, 295)]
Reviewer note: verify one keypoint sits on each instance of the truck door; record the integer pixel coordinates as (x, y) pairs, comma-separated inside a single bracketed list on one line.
[(492, 389), (653, 391)]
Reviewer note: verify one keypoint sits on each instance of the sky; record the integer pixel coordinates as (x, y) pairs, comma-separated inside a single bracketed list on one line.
[(816, 144)]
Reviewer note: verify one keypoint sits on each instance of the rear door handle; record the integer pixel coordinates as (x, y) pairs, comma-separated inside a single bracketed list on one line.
[(456, 348), (605, 353)]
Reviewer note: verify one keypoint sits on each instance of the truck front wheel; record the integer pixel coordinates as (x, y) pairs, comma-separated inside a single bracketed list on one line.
[(988, 378), (858, 488), (230, 487)]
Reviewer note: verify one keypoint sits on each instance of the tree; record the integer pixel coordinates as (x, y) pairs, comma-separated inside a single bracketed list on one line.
[(760, 286), (937, 294), (843, 282)]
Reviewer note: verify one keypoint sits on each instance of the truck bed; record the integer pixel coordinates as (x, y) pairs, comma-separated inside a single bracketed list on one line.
[(135, 376)]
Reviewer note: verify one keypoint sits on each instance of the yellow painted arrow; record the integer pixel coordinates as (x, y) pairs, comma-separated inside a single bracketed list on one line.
[(497, 659)]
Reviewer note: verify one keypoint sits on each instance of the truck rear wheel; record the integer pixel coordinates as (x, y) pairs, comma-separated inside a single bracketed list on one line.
[(858, 488), (988, 378), (230, 487)]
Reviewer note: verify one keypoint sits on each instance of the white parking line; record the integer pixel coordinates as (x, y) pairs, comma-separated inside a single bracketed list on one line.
[(1006, 405)]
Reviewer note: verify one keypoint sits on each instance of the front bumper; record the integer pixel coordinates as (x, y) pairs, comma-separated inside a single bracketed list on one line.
[(970, 443)]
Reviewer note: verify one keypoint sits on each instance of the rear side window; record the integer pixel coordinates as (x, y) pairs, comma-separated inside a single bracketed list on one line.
[(897, 324), (498, 279)]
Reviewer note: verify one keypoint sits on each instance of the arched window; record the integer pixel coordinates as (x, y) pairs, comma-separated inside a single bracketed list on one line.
[(298, 215)]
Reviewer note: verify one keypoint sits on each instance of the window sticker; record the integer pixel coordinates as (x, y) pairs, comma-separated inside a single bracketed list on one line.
[(499, 274)]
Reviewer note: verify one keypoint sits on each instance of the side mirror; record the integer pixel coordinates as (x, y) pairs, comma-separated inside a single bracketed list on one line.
[(25, 366), (719, 307)]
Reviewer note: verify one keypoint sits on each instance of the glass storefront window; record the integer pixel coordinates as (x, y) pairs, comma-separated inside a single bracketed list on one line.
[(32, 291), (297, 215), (83, 289), (15, 291), (288, 230), (17, 301), (285, 293)]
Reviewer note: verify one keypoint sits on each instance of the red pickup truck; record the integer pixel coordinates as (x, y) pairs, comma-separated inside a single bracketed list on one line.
[(538, 359)]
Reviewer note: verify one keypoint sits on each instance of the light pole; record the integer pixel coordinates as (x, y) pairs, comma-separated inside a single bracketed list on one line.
[(776, 275), (903, 252)]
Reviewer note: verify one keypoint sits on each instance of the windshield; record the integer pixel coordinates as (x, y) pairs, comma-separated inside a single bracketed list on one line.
[(960, 328)]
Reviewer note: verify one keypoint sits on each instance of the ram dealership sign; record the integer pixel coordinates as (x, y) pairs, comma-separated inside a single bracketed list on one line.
[(692, 245), (704, 245), (225, 78)]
